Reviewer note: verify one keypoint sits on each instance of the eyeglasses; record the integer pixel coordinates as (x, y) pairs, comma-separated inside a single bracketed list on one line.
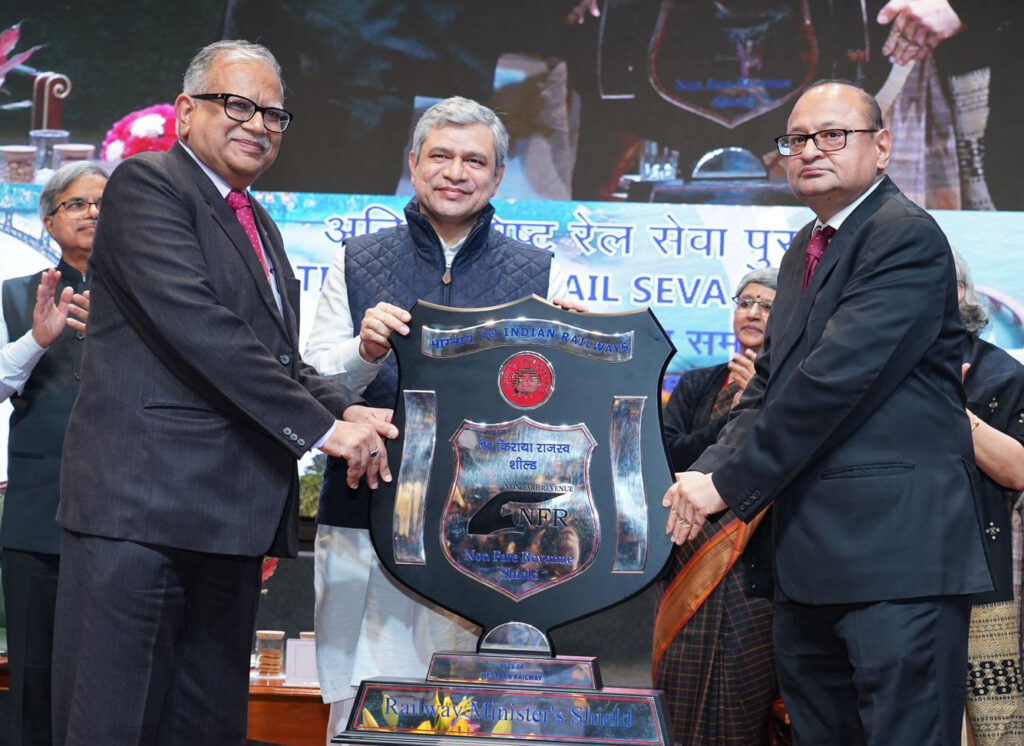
[(746, 302), (827, 141), (242, 109), (76, 208)]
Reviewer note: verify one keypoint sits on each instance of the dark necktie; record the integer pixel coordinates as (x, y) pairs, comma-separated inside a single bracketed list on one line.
[(239, 202), (815, 250)]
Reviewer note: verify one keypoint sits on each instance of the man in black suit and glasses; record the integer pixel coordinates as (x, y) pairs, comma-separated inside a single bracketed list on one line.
[(853, 429), (180, 459)]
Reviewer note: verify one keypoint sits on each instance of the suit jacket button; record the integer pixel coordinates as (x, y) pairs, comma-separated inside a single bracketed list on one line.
[(287, 431), (285, 359), (293, 436), (78, 375), (302, 441), (79, 335)]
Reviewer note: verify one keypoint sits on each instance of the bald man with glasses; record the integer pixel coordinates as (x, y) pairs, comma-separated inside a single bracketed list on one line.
[(852, 429)]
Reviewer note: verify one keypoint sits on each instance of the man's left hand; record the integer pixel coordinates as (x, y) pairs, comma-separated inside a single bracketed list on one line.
[(373, 416), (690, 500)]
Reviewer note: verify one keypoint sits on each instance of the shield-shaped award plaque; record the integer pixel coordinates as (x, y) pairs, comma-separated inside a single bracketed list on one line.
[(529, 473), (733, 60)]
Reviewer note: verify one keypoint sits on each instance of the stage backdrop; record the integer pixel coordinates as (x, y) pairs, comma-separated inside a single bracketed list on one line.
[(679, 99), (683, 261)]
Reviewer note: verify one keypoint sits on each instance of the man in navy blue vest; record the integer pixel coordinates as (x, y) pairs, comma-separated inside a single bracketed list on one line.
[(447, 253), (42, 330)]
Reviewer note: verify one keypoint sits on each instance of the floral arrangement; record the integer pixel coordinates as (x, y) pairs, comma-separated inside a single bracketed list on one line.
[(149, 129)]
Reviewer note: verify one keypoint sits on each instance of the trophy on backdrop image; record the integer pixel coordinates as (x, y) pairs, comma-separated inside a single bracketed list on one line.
[(529, 474)]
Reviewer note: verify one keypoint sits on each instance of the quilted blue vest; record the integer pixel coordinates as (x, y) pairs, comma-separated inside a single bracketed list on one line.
[(405, 264)]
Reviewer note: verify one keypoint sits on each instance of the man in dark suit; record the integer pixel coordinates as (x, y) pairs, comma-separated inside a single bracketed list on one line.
[(180, 459), (853, 428)]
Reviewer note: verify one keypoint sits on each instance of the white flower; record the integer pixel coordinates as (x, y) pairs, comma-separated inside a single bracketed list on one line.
[(115, 150), (148, 125)]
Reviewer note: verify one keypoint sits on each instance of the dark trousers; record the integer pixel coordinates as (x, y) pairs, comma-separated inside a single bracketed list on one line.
[(889, 673), (30, 596), (151, 644)]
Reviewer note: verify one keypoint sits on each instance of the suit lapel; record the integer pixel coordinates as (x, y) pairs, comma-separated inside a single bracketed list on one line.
[(279, 258), (841, 244), (790, 305), (225, 218)]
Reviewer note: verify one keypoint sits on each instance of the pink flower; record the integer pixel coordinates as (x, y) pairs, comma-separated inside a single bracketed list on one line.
[(269, 565), (149, 129)]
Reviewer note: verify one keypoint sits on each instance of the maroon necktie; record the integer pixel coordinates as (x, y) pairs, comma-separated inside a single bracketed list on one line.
[(239, 202), (815, 250)]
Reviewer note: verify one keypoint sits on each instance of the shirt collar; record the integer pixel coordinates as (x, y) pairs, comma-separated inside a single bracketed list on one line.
[(222, 186), (837, 220), (451, 251)]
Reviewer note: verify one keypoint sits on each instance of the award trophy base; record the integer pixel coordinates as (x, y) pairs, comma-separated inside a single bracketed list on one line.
[(512, 697)]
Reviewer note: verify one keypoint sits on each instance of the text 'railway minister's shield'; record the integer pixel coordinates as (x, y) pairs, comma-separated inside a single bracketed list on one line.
[(530, 465)]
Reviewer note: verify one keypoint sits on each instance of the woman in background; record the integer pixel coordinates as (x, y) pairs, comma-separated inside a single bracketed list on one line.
[(713, 628), (994, 384)]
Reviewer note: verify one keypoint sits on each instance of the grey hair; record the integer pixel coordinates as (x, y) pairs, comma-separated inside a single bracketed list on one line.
[(228, 50), (63, 178), (461, 111), (972, 311), (767, 276)]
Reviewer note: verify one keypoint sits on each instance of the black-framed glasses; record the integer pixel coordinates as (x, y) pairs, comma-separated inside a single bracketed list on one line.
[(746, 302), (76, 208), (827, 141), (242, 109)]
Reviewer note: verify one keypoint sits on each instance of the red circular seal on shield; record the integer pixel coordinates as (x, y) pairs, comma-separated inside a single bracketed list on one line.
[(526, 380)]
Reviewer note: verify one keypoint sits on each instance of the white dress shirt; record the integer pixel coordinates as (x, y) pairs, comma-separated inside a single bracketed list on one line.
[(17, 360)]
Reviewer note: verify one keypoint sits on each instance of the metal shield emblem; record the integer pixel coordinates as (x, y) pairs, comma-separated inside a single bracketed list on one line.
[(529, 459), (526, 380), (520, 517), (733, 60)]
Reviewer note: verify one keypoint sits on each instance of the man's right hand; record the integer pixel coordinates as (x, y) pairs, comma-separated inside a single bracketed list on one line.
[(376, 329), (361, 444), (51, 313), (918, 27)]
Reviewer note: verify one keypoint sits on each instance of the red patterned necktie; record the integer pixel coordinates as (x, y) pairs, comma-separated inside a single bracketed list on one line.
[(239, 202), (815, 250)]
